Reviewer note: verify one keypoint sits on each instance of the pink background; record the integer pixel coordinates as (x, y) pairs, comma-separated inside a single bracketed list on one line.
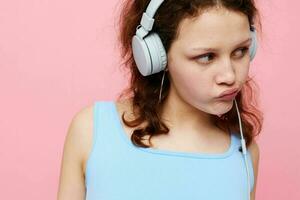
[(58, 56)]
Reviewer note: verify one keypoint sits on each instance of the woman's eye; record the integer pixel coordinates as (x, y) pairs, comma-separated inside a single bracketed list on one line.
[(205, 58), (243, 51)]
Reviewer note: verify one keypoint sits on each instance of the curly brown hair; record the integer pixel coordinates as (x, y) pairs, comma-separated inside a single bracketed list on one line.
[(142, 89)]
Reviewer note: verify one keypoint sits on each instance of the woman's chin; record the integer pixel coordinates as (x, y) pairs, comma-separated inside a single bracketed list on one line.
[(222, 108)]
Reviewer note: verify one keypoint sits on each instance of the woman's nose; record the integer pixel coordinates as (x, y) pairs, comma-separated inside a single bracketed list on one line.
[(226, 72)]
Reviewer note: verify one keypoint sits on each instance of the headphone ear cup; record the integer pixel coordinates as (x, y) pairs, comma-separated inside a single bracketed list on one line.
[(149, 54), (157, 52), (141, 55), (254, 44)]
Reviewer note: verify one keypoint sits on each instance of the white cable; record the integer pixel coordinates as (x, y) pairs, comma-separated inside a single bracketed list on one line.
[(244, 149)]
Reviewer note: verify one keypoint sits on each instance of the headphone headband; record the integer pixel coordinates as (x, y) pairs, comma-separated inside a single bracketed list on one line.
[(147, 20)]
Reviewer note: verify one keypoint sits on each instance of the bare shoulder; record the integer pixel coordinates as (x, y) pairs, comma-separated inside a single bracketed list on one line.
[(80, 134), (82, 123), (254, 151), (76, 148)]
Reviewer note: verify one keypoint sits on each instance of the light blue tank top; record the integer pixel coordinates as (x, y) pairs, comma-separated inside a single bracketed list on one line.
[(118, 170)]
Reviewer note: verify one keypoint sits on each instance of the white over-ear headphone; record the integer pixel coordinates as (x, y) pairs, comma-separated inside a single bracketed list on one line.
[(148, 50)]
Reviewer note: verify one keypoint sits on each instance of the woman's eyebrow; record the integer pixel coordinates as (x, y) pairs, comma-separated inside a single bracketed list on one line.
[(212, 49)]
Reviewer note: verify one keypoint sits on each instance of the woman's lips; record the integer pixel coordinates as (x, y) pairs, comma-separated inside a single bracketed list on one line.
[(230, 91), (228, 96)]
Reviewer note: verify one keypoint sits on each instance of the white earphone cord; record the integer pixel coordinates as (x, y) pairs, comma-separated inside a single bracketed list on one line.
[(243, 148)]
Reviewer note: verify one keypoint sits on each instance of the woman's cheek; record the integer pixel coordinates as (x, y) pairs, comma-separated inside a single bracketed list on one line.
[(188, 80), (192, 86), (244, 74)]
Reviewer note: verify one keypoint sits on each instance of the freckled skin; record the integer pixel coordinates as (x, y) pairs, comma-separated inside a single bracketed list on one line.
[(194, 84)]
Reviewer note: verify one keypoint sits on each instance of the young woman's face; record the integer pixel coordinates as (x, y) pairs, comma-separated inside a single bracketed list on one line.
[(199, 75)]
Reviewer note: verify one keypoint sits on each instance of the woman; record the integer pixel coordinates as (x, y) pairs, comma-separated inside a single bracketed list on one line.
[(176, 98)]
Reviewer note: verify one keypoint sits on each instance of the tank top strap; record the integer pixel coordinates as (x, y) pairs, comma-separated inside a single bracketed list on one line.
[(236, 140), (103, 138), (102, 120), (238, 151), (106, 124)]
